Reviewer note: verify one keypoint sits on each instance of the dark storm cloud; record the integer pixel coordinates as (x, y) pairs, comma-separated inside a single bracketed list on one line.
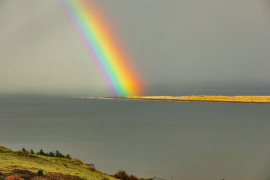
[(174, 44)]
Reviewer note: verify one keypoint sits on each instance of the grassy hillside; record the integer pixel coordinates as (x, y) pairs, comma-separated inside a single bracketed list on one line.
[(27, 166)]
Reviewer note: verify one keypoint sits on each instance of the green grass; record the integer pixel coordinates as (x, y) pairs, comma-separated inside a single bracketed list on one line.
[(27, 165)]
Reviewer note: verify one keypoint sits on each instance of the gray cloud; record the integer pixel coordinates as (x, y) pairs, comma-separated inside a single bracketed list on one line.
[(174, 44)]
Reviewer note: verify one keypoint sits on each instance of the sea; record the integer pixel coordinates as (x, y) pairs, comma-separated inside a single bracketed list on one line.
[(164, 139)]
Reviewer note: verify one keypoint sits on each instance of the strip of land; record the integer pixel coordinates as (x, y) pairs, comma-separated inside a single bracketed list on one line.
[(201, 98)]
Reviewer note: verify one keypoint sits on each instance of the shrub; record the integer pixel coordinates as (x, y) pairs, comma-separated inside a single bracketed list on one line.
[(121, 174), (13, 177), (32, 151), (51, 154), (68, 157), (40, 172), (58, 154), (41, 152), (132, 177), (61, 155)]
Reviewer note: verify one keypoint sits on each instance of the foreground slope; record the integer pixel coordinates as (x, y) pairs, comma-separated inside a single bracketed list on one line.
[(27, 165)]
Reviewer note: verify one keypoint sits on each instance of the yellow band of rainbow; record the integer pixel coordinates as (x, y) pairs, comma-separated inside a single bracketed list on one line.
[(102, 46)]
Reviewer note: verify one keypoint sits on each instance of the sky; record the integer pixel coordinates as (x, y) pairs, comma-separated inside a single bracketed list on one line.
[(177, 47)]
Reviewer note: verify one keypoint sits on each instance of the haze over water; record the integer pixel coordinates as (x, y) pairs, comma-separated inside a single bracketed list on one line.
[(146, 138)]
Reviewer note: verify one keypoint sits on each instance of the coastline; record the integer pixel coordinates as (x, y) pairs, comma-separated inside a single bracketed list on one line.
[(201, 98)]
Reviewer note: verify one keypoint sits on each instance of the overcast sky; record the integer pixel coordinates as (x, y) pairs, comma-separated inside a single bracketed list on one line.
[(176, 45)]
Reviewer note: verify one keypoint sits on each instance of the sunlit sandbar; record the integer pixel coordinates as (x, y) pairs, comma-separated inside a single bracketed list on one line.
[(201, 98)]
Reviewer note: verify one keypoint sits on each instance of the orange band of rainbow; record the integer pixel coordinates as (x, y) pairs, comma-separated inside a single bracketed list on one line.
[(102, 47)]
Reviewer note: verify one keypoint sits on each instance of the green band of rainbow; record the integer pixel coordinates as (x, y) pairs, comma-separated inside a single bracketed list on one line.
[(111, 60)]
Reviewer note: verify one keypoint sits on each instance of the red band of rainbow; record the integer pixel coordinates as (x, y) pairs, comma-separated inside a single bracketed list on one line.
[(103, 48)]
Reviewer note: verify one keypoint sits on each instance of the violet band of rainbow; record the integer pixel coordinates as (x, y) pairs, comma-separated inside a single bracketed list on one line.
[(102, 47)]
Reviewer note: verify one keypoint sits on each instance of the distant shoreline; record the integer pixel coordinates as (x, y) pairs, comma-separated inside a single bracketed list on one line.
[(201, 98)]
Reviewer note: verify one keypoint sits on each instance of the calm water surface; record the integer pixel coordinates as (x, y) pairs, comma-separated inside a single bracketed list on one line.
[(186, 140)]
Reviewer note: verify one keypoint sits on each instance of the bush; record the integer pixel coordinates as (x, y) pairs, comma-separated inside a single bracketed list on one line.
[(51, 154), (40, 172), (121, 174), (41, 152), (124, 176), (68, 157), (13, 177), (132, 177), (32, 151), (58, 154)]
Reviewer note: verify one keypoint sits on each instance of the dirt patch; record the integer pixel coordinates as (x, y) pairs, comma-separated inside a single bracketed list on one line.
[(25, 174)]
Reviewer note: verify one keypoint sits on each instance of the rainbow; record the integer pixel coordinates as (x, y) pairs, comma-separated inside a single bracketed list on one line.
[(103, 48)]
